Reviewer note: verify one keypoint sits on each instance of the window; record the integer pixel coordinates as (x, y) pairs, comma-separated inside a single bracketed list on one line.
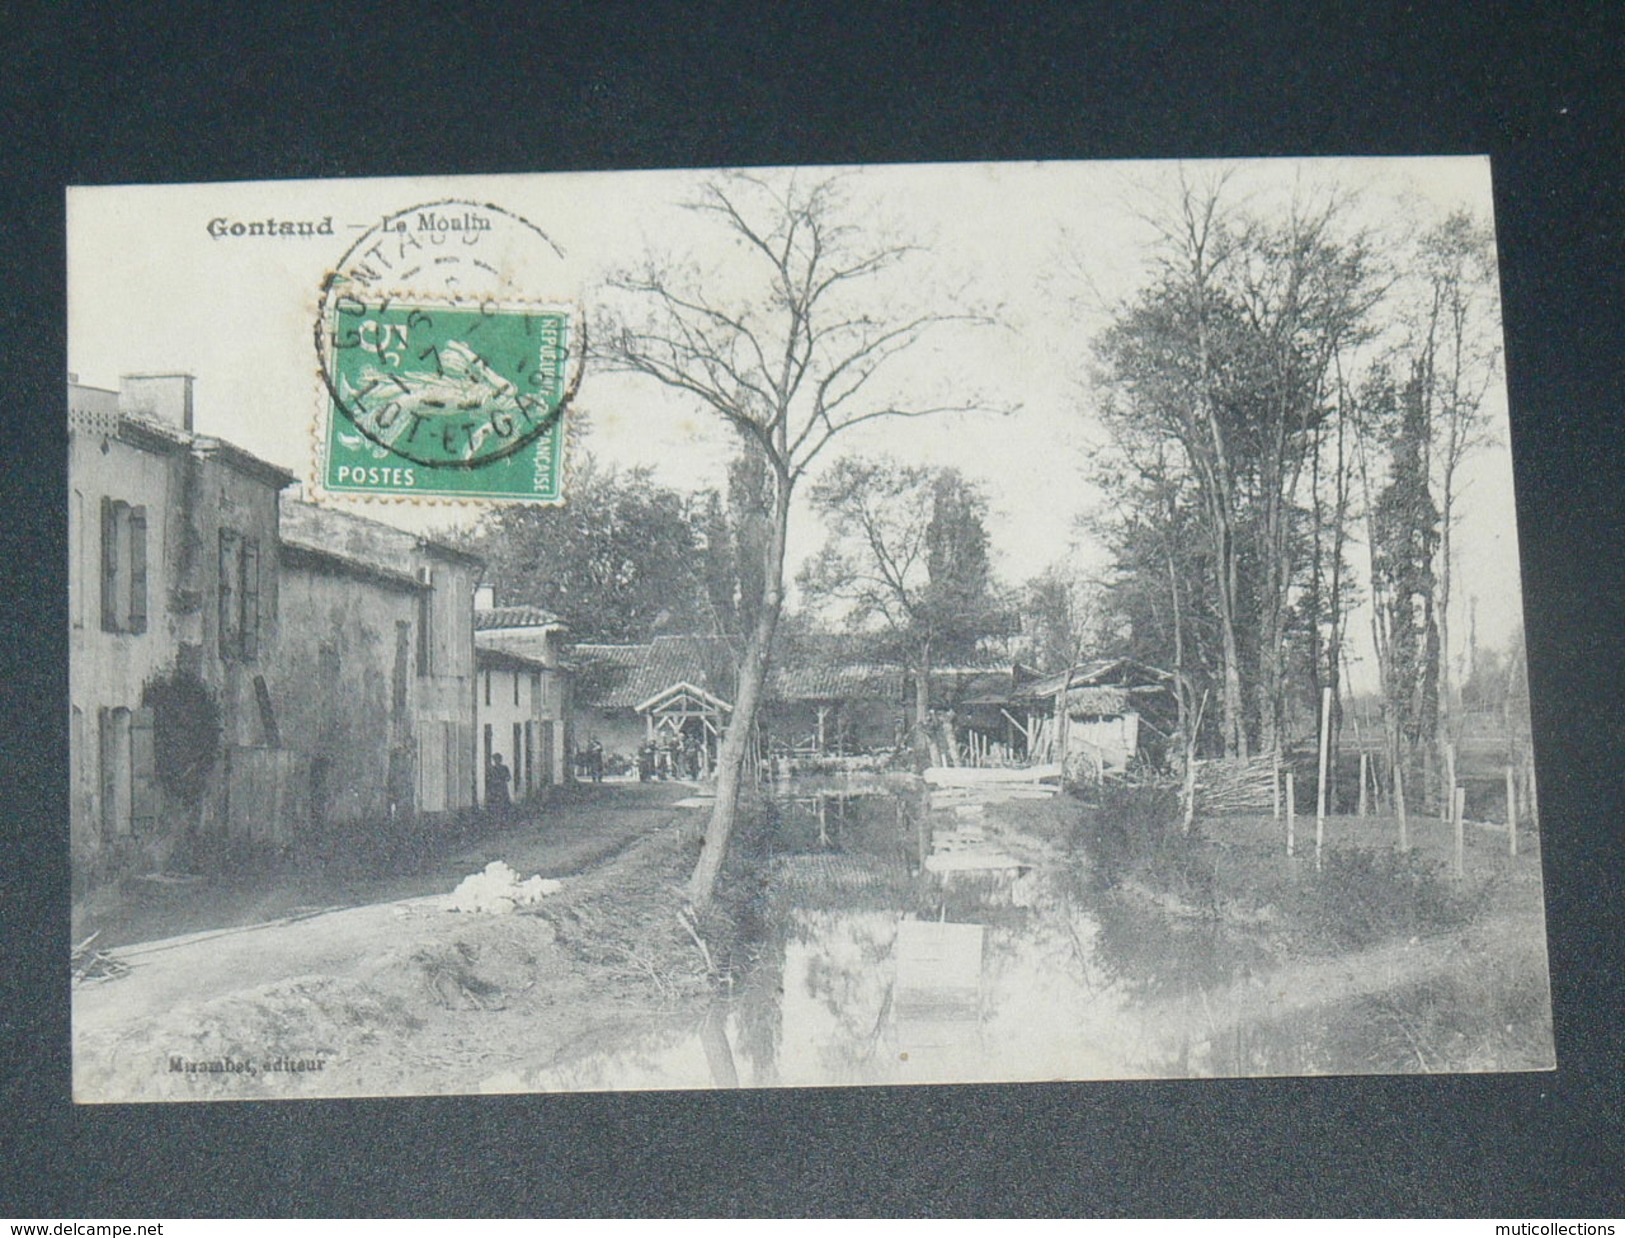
[(487, 687), (129, 792), (124, 567), (239, 584), (516, 677)]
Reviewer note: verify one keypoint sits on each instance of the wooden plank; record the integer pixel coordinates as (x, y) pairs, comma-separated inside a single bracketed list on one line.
[(939, 968)]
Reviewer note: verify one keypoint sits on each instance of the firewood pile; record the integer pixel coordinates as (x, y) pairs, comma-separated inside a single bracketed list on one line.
[(92, 966), (1234, 787)]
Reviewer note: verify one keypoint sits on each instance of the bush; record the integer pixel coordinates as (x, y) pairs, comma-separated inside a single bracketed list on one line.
[(1361, 896), (1132, 828), (186, 732)]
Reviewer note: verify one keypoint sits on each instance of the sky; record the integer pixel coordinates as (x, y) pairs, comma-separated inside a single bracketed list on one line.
[(1047, 249)]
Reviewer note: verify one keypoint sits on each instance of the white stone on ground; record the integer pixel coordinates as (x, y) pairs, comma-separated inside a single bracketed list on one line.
[(497, 890)]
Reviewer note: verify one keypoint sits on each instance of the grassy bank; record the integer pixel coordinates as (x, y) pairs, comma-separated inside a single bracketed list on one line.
[(1383, 959)]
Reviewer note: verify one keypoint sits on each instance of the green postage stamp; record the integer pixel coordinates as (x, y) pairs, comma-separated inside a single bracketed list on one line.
[(442, 375)]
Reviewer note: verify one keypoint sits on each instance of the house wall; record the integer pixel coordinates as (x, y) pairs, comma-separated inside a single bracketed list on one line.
[(448, 772), (106, 670), (430, 765), (541, 759), (222, 500), (343, 694), (1112, 740)]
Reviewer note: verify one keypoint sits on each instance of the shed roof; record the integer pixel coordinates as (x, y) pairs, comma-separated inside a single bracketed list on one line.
[(1100, 672)]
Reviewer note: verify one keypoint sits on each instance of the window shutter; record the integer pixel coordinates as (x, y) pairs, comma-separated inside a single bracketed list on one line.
[(138, 569), (228, 593), (110, 556), (143, 782), (107, 766), (251, 598)]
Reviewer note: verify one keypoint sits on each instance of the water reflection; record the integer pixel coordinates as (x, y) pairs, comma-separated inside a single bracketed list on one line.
[(905, 941)]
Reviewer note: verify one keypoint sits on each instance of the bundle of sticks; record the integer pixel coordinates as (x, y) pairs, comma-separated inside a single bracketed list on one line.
[(1235, 786)]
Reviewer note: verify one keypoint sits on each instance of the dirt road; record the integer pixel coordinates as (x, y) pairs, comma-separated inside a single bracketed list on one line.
[(585, 827), (401, 995)]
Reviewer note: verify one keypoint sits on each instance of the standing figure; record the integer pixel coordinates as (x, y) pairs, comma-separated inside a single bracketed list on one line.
[(497, 779), (595, 759)]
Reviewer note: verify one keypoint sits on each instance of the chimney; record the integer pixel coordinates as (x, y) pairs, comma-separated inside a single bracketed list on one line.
[(165, 397), (485, 597)]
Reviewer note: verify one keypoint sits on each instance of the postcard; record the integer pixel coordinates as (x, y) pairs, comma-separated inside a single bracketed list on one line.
[(792, 627)]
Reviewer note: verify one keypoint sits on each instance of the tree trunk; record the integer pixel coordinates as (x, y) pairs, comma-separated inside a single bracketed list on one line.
[(1225, 570), (1444, 731), (1235, 725), (921, 736), (736, 740)]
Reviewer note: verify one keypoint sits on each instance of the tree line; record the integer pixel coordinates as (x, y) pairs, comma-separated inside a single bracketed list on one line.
[(1287, 392)]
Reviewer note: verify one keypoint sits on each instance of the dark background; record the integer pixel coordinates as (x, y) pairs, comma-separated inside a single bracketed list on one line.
[(103, 95)]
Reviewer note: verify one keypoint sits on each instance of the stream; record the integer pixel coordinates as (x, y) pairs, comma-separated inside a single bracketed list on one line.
[(904, 939)]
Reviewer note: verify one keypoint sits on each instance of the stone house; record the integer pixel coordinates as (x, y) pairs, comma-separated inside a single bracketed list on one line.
[(173, 620), (246, 671)]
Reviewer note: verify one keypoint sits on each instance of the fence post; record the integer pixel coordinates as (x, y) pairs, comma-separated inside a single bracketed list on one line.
[(1399, 806), (1458, 802), (1449, 782), (1291, 812), (1365, 762), (1275, 784), (1512, 812)]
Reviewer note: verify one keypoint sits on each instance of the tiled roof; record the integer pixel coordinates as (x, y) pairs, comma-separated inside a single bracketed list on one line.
[(532, 644), (829, 683), (624, 676), (494, 655), (513, 617), (297, 553)]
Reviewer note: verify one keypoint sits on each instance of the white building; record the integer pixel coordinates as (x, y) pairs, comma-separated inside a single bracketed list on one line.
[(522, 694)]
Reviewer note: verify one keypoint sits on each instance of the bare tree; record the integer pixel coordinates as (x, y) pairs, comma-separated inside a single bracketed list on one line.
[(791, 362)]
